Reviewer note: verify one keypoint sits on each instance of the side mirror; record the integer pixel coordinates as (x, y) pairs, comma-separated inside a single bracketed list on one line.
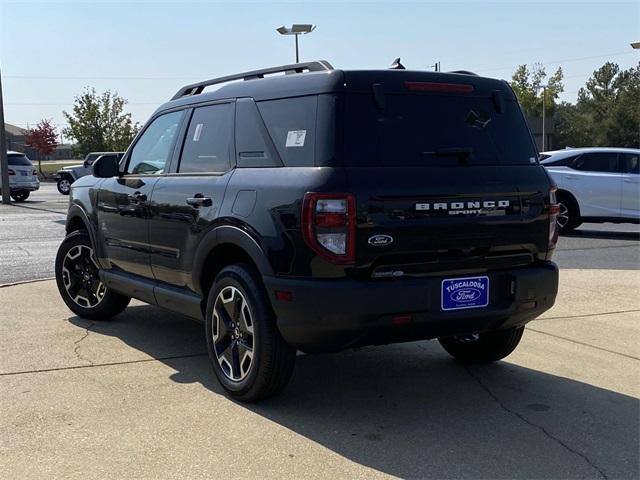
[(86, 164), (105, 166)]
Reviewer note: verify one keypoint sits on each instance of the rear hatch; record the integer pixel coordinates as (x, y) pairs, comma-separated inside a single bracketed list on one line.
[(445, 175), (22, 168)]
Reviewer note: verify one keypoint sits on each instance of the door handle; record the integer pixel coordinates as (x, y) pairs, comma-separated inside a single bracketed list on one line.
[(628, 180), (137, 197), (199, 200)]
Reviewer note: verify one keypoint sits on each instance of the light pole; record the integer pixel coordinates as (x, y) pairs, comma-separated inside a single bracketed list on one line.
[(544, 133), (4, 161), (296, 29), (635, 45)]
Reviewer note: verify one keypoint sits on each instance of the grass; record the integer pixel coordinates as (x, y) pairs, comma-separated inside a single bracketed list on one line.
[(49, 167)]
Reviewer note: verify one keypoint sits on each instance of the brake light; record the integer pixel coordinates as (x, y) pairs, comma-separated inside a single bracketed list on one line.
[(10, 172), (554, 210), (439, 87), (329, 225)]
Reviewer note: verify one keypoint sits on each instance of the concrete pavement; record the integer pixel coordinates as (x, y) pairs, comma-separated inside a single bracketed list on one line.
[(135, 398)]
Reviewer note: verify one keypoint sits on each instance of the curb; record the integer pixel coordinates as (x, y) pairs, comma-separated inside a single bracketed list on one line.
[(4, 285)]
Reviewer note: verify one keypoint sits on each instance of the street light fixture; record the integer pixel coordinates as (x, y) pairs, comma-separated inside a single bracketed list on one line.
[(296, 29), (635, 45), (544, 98)]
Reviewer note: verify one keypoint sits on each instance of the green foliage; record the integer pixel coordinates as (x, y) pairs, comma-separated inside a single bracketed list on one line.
[(98, 122), (607, 112), (527, 84)]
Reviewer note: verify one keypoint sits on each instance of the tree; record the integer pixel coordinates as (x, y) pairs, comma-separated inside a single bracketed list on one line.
[(607, 112), (526, 84), (43, 139), (98, 122)]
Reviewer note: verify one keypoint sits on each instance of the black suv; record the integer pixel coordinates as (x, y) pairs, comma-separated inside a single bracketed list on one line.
[(308, 208)]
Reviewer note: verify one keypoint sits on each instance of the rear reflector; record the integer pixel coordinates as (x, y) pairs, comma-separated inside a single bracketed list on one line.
[(439, 87), (401, 320), (284, 296)]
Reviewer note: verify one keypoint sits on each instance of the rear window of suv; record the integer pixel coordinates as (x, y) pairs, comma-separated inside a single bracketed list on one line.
[(421, 130), (18, 160)]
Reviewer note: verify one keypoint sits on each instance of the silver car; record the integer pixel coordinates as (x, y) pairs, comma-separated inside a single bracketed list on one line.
[(23, 177)]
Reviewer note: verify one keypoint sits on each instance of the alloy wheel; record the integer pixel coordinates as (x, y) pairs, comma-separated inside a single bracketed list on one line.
[(64, 185), (80, 277), (233, 334), (563, 216)]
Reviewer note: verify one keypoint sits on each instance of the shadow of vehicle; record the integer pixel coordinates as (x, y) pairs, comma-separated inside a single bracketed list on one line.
[(409, 411)]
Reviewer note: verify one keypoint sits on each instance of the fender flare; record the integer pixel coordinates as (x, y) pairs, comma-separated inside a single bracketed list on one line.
[(228, 234), (75, 211)]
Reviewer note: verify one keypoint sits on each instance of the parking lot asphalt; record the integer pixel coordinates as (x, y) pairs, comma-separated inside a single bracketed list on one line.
[(135, 398), (30, 233)]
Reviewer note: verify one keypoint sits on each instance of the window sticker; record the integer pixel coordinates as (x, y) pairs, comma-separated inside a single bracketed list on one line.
[(197, 132), (295, 138)]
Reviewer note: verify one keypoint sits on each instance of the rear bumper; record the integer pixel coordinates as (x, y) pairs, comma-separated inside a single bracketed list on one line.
[(29, 186), (331, 315)]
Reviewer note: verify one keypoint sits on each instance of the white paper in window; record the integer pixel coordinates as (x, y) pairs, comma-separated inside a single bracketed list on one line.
[(295, 138), (198, 131)]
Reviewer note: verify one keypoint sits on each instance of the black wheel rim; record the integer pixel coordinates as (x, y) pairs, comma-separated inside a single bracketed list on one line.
[(80, 277), (64, 185), (233, 334), (563, 216)]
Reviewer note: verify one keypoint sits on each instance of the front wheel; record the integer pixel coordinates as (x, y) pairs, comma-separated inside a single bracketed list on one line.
[(483, 347), (249, 356), (79, 284), (64, 186), (20, 195)]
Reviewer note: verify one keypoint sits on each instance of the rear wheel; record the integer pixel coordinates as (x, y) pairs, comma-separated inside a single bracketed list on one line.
[(483, 347), (248, 355), (568, 218), (64, 186), (20, 195), (79, 283)]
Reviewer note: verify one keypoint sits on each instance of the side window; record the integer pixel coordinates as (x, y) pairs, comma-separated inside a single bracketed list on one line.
[(253, 144), (631, 163), (153, 148), (597, 162), (291, 123), (207, 146)]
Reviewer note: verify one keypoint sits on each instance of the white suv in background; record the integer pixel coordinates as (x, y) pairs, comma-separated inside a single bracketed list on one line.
[(23, 177), (595, 185)]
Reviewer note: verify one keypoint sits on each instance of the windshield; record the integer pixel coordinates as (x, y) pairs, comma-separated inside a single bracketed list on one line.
[(19, 160), (435, 130)]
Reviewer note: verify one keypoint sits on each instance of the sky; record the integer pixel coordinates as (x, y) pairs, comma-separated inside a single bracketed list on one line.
[(146, 50)]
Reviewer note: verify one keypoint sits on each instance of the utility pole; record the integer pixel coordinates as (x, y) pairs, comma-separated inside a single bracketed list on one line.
[(4, 161), (544, 132)]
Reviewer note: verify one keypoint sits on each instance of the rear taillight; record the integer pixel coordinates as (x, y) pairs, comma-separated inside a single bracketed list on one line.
[(554, 210), (10, 172), (329, 225)]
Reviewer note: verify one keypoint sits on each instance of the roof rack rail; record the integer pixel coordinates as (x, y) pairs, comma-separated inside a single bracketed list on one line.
[(464, 72), (197, 88)]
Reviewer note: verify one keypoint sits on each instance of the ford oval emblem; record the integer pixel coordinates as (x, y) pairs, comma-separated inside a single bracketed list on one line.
[(465, 295), (380, 240)]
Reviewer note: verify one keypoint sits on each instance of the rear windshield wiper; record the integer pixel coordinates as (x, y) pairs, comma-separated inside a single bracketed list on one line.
[(462, 153)]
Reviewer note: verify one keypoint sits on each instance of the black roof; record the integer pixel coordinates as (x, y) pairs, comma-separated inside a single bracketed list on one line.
[(301, 80)]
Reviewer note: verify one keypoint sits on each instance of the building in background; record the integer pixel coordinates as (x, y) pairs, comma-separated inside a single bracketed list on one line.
[(16, 137)]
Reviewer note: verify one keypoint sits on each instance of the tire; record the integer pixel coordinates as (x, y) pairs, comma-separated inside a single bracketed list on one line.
[(20, 195), (64, 186), (483, 347), (569, 216), (249, 356), (78, 282)]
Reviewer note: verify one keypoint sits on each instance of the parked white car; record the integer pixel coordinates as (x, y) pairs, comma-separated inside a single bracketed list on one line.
[(23, 177), (595, 185)]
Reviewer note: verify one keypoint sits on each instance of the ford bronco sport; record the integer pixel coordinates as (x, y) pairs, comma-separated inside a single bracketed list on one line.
[(309, 208)]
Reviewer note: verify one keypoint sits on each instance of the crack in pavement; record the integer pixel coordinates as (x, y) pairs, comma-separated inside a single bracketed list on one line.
[(585, 315), (76, 349), (584, 344), (108, 364), (532, 424)]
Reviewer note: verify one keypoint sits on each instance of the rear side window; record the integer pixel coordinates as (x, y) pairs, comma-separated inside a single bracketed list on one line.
[(631, 163), (18, 160), (552, 161), (291, 123), (428, 129), (207, 146), (597, 162)]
